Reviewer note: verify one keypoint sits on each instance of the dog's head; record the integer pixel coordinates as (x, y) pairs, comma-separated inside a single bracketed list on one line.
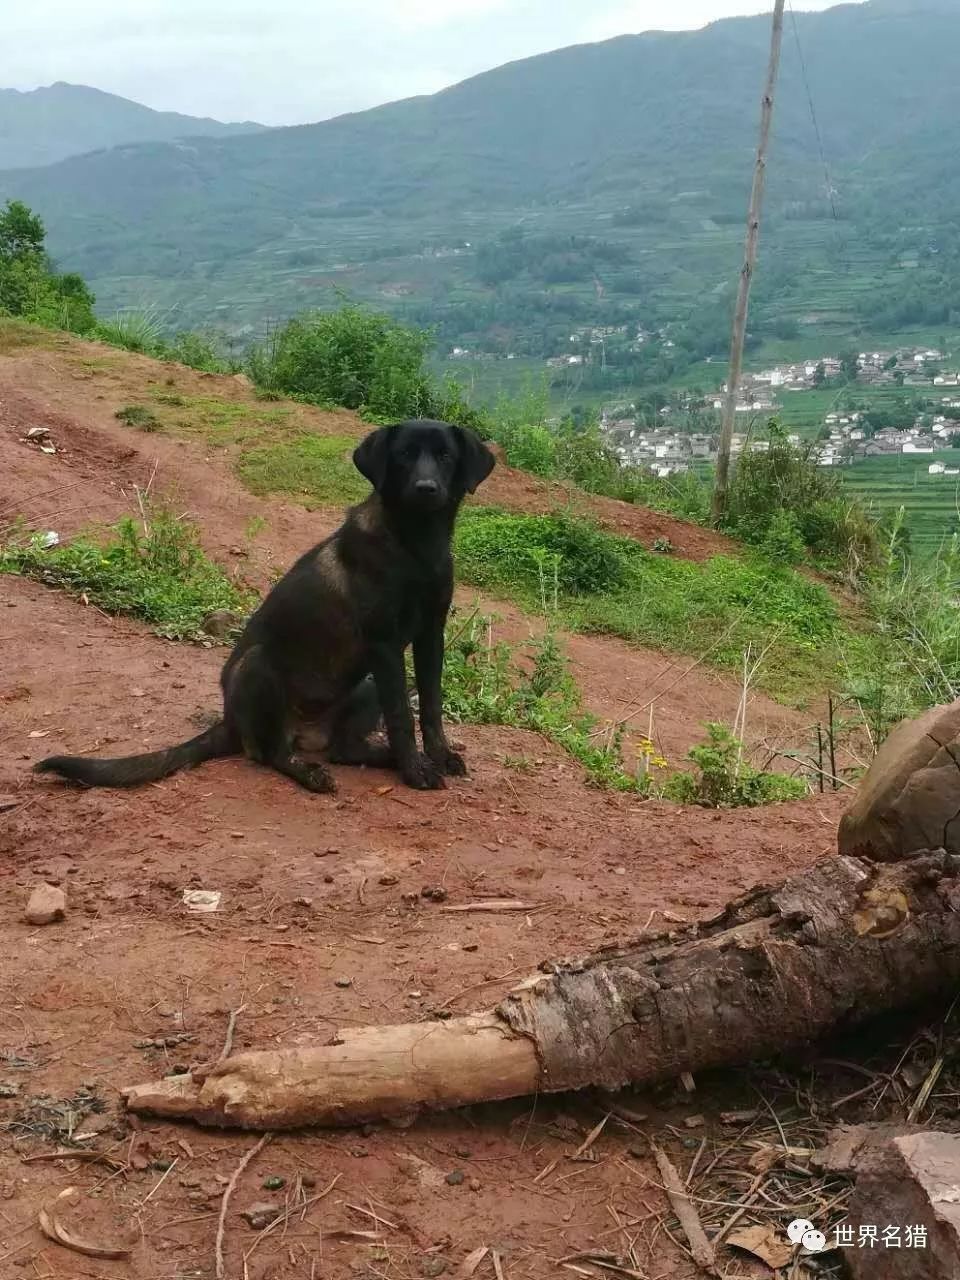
[(423, 465)]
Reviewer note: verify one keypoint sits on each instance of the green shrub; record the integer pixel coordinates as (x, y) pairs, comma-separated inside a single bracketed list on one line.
[(784, 481), (783, 542), (160, 575), (137, 415), (724, 780), (199, 351), (317, 470), (352, 357)]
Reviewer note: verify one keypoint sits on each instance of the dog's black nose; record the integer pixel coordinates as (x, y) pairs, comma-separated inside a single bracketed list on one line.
[(426, 487)]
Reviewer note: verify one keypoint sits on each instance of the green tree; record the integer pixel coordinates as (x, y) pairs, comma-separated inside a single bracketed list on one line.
[(21, 232)]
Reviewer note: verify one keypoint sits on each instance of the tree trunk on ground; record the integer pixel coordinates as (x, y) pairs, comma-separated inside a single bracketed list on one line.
[(778, 968)]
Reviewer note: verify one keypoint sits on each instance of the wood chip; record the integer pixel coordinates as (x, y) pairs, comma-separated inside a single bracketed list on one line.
[(56, 1231), (470, 1263), (689, 1219)]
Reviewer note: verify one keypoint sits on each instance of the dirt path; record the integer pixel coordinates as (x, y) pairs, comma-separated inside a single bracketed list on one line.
[(321, 923)]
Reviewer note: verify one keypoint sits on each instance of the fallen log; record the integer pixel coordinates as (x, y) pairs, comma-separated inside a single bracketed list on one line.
[(778, 968)]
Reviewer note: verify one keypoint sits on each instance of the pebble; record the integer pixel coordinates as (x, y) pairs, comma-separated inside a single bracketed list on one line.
[(261, 1215), (46, 905), (456, 1178), (343, 982)]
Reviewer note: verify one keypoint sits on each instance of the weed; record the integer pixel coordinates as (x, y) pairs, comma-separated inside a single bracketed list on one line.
[(159, 574), (316, 470), (724, 780), (255, 526), (137, 415), (485, 683)]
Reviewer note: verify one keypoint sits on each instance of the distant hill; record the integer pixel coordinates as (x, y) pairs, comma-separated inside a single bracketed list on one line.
[(643, 144), (42, 126)]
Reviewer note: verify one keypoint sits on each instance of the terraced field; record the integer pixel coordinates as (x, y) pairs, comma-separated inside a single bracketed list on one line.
[(931, 503)]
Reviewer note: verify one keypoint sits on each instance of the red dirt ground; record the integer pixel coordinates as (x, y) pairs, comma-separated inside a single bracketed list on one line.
[(313, 893)]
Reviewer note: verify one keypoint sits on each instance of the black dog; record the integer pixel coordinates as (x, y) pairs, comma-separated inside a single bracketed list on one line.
[(325, 650)]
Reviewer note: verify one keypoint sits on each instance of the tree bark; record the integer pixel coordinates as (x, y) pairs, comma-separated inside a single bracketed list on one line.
[(778, 968)]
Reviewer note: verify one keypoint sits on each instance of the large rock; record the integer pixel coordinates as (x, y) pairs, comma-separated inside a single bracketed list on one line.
[(908, 1189), (910, 797)]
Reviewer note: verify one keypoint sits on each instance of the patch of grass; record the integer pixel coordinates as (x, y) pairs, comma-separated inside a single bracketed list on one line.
[(493, 684), (220, 423), (15, 334), (592, 581), (139, 416), (316, 470), (161, 575)]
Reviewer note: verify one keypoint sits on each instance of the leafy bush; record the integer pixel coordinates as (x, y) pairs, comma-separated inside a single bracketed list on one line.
[(317, 470), (783, 541), (352, 357), (724, 780), (785, 481), (199, 351), (160, 575)]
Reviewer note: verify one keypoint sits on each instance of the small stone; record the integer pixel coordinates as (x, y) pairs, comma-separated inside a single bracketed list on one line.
[(274, 1183), (328, 879), (261, 1215), (219, 624), (433, 1266), (343, 982), (693, 1122), (46, 905), (471, 946), (388, 879), (434, 893), (475, 1184), (456, 1178), (463, 1152)]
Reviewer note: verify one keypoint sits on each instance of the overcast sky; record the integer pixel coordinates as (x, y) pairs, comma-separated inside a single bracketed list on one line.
[(293, 61)]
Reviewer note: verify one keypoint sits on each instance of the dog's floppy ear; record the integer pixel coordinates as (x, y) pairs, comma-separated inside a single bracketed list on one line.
[(476, 460), (370, 456)]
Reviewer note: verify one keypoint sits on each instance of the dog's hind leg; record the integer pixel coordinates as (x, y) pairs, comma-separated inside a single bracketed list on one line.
[(256, 708), (359, 717)]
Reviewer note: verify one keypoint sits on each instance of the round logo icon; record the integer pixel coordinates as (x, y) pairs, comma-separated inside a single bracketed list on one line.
[(798, 1229), (813, 1241)]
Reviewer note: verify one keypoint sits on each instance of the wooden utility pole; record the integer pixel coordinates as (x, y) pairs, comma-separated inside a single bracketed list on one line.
[(746, 274)]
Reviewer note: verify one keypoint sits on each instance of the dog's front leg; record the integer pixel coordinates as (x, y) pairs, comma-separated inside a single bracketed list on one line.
[(416, 769), (428, 666)]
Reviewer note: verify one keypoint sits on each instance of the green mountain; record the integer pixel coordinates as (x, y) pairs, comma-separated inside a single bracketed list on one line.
[(602, 183), (43, 126)]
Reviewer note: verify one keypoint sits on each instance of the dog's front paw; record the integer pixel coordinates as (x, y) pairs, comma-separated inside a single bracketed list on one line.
[(453, 764), (423, 775)]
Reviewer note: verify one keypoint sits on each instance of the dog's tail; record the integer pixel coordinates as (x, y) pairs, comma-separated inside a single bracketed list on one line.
[(130, 771)]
